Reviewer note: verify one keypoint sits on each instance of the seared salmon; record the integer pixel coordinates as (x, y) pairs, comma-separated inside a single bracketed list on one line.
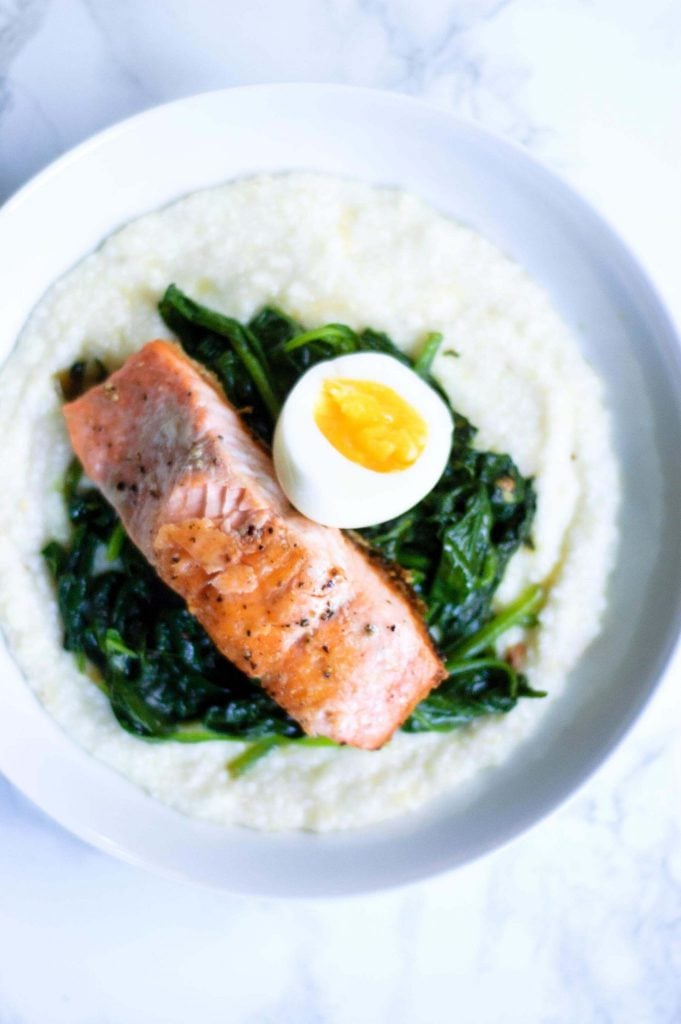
[(331, 636)]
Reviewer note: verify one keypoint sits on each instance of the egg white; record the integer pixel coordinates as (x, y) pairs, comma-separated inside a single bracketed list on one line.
[(333, 490)]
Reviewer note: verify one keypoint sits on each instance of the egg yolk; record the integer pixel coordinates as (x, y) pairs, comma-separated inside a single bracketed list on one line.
[(370, 424)]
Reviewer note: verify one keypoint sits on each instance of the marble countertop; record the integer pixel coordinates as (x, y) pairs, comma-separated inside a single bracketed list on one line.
[(580, 919)]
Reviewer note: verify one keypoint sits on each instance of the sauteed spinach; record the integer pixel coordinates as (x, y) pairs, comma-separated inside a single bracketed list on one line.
[(162, 673)]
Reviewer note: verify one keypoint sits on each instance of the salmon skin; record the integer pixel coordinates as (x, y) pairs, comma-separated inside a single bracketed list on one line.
[(331, 636)]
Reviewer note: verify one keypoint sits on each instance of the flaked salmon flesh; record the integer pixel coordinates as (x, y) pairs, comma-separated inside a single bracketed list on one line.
[(330, 635)]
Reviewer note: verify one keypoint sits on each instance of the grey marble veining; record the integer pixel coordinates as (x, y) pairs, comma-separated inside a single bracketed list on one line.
[(580, 919)]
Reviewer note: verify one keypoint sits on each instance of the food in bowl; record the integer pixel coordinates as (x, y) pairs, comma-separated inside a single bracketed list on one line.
[(364, 260), (332, 638)]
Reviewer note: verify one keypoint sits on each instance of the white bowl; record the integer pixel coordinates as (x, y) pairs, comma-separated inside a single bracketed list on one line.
[(597, 287)]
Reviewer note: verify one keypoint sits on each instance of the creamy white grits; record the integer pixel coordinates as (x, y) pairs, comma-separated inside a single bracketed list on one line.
[(323, 250)]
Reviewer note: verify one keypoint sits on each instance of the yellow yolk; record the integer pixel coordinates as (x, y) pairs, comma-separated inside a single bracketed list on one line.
[(370, 424)]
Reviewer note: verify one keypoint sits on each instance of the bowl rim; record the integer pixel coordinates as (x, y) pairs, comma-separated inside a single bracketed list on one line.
[(669, 341)]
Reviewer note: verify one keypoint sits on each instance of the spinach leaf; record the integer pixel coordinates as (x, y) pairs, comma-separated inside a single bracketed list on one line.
[(479, 683), (423, 364), (483, 686), (80, 376)]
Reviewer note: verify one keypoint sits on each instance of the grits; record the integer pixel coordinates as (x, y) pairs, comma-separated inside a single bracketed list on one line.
[(324, 250)]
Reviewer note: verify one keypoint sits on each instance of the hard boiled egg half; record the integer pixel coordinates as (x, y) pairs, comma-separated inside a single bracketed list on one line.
[(361, 439)]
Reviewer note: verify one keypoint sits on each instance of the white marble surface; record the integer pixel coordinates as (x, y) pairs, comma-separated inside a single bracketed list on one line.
[(578, 921)]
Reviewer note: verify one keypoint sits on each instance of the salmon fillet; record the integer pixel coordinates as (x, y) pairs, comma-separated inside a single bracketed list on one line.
[(329, 634)]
